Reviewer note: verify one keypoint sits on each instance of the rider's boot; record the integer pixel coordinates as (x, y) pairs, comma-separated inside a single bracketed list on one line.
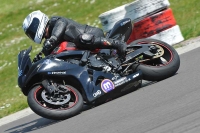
[(119, 45)]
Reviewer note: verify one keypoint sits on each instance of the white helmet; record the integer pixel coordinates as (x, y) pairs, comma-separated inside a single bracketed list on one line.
[(34, 25)]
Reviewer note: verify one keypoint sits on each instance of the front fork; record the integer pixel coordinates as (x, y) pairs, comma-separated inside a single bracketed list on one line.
[(49, 86)]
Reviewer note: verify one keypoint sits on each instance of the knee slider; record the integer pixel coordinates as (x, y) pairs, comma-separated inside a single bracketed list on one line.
[(87, 38)]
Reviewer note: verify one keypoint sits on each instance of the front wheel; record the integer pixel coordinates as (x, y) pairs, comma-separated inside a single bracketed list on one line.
[(164, 64), (64, 103)]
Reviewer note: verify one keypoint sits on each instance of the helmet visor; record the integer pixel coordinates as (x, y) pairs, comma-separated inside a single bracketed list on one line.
[(32, 29)]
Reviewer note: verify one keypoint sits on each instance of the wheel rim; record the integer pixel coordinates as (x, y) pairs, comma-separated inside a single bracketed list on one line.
[(57, 101), (159, 61)]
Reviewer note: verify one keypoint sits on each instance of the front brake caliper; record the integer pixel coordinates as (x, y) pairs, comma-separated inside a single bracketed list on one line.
[(48, 86)]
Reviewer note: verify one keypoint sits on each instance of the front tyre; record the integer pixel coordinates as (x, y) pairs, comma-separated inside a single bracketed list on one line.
[(62, 105)]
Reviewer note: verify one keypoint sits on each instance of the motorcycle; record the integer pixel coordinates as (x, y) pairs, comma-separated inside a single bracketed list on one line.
[(59, 85)]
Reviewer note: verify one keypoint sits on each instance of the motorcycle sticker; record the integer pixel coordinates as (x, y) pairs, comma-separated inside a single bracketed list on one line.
[(47, 61), (19, 72), (121, 81), (136, 75), (125, 22), (107, 85), (97, 93), (60, 72), (115, 77)]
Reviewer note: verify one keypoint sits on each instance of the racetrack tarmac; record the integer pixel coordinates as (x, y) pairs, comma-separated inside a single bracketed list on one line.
[(168, 106)]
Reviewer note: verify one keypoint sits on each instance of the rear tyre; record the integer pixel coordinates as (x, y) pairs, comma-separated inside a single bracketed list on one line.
[(156, 69)]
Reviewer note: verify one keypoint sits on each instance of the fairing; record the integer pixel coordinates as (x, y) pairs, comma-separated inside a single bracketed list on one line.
[(53, 67), (24, 64), (121, 30)]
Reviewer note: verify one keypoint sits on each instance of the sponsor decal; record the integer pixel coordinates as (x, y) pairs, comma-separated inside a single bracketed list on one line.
[(64, 72), (125, 22), (47, 61), (107, 85), (20, 73), (97, 93), (115, 77), (121, 81), (136, 75)]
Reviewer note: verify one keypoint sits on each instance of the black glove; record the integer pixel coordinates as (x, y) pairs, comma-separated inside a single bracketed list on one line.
[(48, 45)]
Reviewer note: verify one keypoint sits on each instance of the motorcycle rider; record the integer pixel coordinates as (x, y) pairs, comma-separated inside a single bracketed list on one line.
[(37, 26)]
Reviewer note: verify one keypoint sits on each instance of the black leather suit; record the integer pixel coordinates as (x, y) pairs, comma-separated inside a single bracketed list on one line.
[(66, 29), (83, 36)]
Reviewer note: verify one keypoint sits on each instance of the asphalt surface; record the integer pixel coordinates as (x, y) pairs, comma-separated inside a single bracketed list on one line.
[(168, 106)]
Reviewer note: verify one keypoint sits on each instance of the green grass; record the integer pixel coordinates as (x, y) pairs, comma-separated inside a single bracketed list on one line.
[(12, 38), (187, 14)]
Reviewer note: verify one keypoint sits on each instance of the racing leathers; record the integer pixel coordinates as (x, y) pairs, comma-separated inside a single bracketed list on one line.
[(83, 36)]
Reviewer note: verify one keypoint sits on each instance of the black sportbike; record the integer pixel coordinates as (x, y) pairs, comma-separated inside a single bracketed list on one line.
[(58, 85)]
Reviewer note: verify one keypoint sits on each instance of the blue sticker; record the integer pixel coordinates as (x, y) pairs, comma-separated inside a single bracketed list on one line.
[(47, 61), (107, 85)]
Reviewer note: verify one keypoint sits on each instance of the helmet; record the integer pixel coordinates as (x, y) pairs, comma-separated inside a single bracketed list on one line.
[(34, 25)]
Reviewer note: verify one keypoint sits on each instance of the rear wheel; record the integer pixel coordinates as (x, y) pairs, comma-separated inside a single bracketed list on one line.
[(65, 102), (164, 64)]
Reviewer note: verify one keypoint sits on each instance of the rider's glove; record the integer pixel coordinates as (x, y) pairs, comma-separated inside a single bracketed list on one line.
[(48, 45)]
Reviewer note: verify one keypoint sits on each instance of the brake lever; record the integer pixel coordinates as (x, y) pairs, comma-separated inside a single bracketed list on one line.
[(38, 57)]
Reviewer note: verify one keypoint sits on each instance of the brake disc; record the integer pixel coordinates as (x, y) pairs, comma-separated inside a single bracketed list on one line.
[(58, 99), (159, 53)]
